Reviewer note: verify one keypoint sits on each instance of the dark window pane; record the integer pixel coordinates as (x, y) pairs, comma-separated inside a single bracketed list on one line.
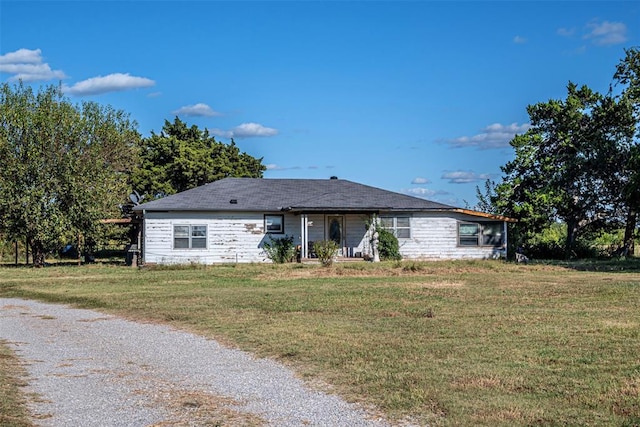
[(181, 243), (198, 243)]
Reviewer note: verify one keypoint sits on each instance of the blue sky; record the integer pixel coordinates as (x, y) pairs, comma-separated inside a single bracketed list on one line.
[(418, 97)]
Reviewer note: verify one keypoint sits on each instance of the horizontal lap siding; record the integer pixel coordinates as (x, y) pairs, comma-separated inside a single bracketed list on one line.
[(231, 237), (239, 237), (356, 233), (435, 236), (316, 227)]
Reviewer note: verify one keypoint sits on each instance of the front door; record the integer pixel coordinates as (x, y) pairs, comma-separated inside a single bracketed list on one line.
[(335, 231)]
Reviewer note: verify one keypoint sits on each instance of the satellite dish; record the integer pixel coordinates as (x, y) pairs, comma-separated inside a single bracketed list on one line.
[(135, 198)]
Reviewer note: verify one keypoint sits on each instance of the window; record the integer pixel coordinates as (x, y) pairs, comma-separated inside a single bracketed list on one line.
[(190, 237), (400, 226), (492, 234), (274, 224), (468, 234), (480, 234)]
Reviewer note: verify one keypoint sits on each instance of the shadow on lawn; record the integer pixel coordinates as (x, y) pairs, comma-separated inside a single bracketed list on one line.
[(613, 265)]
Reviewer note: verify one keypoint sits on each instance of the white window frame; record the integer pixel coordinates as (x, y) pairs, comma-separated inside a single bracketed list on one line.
[(279, 230), (196, 232), (394, 227), (480, 234)]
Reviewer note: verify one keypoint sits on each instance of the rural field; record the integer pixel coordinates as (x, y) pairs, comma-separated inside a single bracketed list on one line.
[(440, 343)]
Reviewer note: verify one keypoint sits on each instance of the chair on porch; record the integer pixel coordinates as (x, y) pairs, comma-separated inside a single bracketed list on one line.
[(310, 252)]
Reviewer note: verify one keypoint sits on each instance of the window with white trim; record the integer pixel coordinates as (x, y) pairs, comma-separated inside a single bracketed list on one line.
[(189, 236), (400, 226), (480, 234), (274, 224)]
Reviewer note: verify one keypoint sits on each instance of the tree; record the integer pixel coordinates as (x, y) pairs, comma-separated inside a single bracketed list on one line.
[(64, 166), (628, 74), (551, 177), (579, 163), (183, 157)]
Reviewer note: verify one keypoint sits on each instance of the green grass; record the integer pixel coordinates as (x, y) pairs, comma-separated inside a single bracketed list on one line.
[(13, 410), (442, 343)]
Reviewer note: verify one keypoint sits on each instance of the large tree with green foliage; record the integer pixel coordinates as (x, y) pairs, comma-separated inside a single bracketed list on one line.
[(579, 163), (627, 76), (551, 176), (64, 166), (182, 157)]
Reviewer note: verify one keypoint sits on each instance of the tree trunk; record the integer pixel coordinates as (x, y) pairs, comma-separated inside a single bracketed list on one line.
[(37, 253), (629, 232), (572, 234)]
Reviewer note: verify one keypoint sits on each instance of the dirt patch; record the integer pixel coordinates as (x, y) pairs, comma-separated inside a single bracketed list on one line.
[(190, 408)]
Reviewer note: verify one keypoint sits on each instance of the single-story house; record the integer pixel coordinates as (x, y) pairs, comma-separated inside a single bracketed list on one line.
[(230, 220)]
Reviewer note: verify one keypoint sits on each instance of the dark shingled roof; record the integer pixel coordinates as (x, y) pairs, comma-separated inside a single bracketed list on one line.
[(304, 195)]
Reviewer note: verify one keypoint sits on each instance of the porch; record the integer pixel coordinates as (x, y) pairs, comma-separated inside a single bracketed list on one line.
[(349, 231)]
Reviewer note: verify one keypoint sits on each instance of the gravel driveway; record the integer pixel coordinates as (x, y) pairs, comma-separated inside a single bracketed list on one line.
[(92, 369)]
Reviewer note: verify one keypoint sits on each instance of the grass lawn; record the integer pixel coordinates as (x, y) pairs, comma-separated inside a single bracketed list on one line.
[(13, 410), (441, 343)]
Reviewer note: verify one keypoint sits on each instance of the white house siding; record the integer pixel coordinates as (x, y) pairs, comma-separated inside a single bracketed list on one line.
[(435, 236), (316, 227), (239, 236), (231, 237)]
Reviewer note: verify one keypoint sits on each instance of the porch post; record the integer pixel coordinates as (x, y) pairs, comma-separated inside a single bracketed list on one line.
[(304, 239), (505, 226)]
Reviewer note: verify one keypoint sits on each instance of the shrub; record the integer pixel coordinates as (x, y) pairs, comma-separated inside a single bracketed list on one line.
[(280, 250), (388, 245), (325, 251)]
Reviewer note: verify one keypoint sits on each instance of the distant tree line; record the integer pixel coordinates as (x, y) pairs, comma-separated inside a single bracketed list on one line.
[(577, 166), (64, 166)]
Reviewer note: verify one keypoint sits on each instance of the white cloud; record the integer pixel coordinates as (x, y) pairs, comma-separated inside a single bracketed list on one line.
[(274, 167), (464, 177), (199, 109), (27, 65), (110, 83), (606, 33), (422, 192), (420, 180), (566, 32), (519, 40), (245, 130), (22, 56), (493, 136)]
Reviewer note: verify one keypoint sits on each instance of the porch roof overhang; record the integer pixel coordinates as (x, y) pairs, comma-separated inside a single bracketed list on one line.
[(378, 209), (482, 214)]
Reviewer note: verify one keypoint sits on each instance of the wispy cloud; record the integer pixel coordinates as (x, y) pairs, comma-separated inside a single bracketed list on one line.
[(600, 33), (423, 192), (493, 136), (116, 82), (464, 177), (245, 130), (27, 65), (419, 180), (519, 40), (606, 33), (199, 109), (275, 167), (566, 32)]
